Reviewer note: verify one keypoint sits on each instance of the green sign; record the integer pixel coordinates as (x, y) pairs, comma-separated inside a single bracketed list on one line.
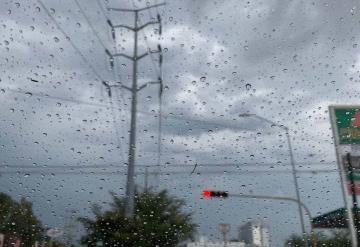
[(348, 125)]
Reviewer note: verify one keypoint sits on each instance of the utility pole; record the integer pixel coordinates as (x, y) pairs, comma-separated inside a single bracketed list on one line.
[(134, 89)]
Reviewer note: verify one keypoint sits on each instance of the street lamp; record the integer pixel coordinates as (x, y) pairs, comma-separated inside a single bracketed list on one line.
[(292, 161)]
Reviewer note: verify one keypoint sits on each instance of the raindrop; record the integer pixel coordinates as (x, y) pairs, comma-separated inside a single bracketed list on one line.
[(26, 175), (58, 104), (17, 5), (203, 78), (78, 24), (248, 86), (28, 94), (52, 11), (246, 47), (38, 9), (56, 39)]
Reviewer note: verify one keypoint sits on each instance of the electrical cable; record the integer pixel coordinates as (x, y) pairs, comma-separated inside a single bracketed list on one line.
[(227, 173), (70, 41), (102, 9), (116, 129), (90, 25), (201, 166)]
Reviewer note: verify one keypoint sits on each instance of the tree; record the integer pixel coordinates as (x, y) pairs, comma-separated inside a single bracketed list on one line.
[(335, 238), (158, 221), (17, 220)]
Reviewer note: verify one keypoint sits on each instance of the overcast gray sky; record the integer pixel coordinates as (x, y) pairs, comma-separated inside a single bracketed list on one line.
[(283, 60)]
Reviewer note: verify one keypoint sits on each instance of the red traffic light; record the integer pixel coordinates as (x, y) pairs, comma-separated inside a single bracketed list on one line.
[(206, 194), (213, 193)]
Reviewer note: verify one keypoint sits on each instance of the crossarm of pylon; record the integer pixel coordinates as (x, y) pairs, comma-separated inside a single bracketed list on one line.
[(147, 53), (123, 55), (124, 26), (128, 88), (147, 83), (147, 24)]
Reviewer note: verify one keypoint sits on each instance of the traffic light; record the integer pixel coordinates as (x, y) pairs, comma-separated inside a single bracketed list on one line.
[(214, 193)]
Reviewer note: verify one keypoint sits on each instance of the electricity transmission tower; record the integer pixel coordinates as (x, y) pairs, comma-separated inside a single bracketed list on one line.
[(134, 89)]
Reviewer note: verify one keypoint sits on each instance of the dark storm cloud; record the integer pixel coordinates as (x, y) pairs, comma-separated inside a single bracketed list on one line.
[(297, 58)]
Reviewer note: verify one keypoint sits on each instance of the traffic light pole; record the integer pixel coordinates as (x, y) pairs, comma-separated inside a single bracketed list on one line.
[(223, 194)]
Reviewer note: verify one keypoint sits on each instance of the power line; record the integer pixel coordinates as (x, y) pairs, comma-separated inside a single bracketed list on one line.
[(165, 116), (171, 115), (90, 25), (102, 9), (47, 96), (227, 173), (70, 41), (115, 127), (201, 166), (160, 76)]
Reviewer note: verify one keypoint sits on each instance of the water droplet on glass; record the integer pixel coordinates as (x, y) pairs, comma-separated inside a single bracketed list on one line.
[(203, 78), (56, 39), (28, 94), (248, 86)]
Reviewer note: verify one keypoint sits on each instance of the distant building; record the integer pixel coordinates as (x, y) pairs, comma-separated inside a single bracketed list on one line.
[(203, 242), (255, 234)]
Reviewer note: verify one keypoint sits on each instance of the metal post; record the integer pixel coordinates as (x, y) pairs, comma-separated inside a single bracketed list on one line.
[(282, 198), (296, 186), (292, 161), (134, 89), (130, 184), (342, 175), (353, 194)]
